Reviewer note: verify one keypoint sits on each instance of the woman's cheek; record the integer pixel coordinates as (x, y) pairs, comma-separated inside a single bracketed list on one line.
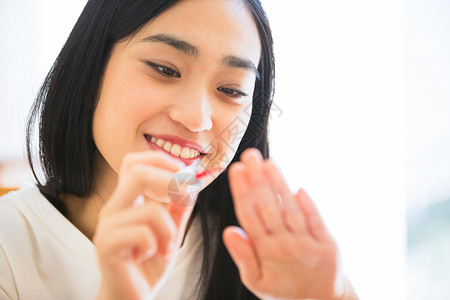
[(237, 127), (233, 131)]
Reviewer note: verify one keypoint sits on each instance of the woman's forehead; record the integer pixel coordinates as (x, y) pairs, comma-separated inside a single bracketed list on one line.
[(203, 27)]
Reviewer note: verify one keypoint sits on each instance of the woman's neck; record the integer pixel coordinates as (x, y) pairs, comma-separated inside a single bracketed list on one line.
[(83, 212)]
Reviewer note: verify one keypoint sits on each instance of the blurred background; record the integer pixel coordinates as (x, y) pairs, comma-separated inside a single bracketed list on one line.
[(362, 122)]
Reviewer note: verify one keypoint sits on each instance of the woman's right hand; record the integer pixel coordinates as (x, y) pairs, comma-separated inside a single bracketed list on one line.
[(136, 243)]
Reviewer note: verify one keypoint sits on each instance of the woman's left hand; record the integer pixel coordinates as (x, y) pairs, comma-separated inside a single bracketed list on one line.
[(284, 250)]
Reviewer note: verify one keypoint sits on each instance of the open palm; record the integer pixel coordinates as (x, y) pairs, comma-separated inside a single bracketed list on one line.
[(284, 250)]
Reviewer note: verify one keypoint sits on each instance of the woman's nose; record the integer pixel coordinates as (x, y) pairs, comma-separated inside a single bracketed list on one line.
[(193, 111)]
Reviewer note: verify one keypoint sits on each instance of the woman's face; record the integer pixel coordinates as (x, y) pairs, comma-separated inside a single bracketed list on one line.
[(183, 84)]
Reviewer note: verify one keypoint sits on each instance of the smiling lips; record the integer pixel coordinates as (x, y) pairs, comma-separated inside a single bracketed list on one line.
[(185, 153), (174, 148)]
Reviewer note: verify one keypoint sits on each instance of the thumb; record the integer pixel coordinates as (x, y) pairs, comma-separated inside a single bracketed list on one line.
[(180, 214), (242, 253)]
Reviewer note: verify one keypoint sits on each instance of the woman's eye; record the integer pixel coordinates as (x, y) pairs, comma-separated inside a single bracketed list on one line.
[(164, 71), (233, 93)]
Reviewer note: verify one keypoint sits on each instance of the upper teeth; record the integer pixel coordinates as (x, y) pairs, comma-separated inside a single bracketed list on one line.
[(175, 149)]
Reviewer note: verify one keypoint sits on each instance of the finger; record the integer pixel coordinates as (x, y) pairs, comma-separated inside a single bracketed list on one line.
[(157, 159), (267, 202), (147, 173), (315, 223), (140, 179), (293, 216), (127, 243), (243, 205), (243, 254), (180, 216), (152, 214)]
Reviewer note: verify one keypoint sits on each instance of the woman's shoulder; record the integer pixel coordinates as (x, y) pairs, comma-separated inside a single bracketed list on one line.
[(26, 191), (16, 210), (19, 203), (26, 212), (14, 236), (39, 246), (15, 200)]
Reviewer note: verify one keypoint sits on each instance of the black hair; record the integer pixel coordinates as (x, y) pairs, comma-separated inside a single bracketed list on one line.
[(64, 110)]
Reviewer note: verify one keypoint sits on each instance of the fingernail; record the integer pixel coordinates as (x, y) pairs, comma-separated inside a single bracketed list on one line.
[(173, 160), (171, 248)]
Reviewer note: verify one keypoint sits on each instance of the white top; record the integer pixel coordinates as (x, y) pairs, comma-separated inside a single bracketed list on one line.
[(44, 256)]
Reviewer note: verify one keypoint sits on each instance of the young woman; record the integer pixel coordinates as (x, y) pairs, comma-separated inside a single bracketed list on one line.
[(141, 90)]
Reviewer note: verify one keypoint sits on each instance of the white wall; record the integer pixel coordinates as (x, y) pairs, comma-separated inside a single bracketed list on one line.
[(31, 34), (18, 39), (427, 54), (340, 83), (427, 36)]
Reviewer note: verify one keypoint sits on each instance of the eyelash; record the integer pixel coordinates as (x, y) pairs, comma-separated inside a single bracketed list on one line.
[(233, 93), (164, 71), (171, 73)]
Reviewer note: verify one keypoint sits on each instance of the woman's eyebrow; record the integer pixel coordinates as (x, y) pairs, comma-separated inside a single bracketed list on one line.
[(174, 42), (241, 63), (231, 61)]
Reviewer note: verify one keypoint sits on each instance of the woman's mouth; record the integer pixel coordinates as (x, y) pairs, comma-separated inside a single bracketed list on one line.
[(185, 153)]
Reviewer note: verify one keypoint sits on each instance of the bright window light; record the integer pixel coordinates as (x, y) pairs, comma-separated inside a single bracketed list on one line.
[(339, 86)]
